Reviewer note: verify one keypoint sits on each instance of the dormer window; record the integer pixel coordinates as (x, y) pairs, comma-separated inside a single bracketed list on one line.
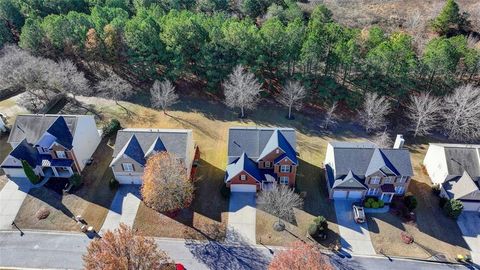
[(60, 154), (375, 180), (243, 177), (389, 180)]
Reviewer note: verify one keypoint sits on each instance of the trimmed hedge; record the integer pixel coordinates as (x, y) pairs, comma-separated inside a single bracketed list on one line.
[(34, 179)]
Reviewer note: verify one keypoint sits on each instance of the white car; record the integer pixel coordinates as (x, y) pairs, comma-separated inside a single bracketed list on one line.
[(358, 214)]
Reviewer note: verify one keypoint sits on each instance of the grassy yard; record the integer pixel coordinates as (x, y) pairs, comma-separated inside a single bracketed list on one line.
[(434, 234), (92, 200)]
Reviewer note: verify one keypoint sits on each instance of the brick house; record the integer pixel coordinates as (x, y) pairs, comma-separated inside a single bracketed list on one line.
[(358, 170), (260, 158)]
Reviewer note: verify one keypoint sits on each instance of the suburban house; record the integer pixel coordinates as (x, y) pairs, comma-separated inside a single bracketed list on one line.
[(133, 147), (355, 170), (53, 145), (260, 158), (456, 168)]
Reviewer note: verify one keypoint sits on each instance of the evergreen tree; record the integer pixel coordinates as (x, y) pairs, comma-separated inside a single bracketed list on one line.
[(34, 179), (448, 18)]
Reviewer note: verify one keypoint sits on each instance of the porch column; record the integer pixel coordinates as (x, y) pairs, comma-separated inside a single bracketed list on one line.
[(54, 171)]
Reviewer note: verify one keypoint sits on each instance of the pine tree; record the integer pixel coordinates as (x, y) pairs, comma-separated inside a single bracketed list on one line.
[(34, 179), (448, 18)]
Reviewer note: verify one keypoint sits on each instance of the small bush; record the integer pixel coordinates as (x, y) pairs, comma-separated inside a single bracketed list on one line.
[(225, 191), (371, 200), (381, 204), (321, 223), (113, 184), (442, 202), (375, 205), (453, 208), (75, 180), (111, 128), (367, 204), (436, 189), (313, 229), (410, 202), (42, 213)]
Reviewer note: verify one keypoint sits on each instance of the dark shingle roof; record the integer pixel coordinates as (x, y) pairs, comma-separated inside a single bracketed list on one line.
[(60, 130), (33, 126), (348, 181), (243, 163), (252, 140), (462, 188), (277, 140), (25, 151), (461, 159)]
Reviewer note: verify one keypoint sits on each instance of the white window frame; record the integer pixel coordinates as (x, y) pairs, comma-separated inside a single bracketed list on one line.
[(277, 151), (267, 164), (397, 188), (127, 167), (402, 179), (284, 168), (61, 154), (372, 191), (374, 179), (243, 177), (389, 180), (284, 180)]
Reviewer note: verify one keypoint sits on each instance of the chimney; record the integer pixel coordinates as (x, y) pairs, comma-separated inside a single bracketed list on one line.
[(399, 141)]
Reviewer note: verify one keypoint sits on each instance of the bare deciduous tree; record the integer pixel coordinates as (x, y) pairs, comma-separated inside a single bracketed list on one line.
[(72, 80), (242, 90), (330, 116), (383, 140), (123, 249), (280, 202), (423, 111), (166, 186), (374, 111), (163, 95), (292, 95), (300, 255), (462, 113), (115, 88)]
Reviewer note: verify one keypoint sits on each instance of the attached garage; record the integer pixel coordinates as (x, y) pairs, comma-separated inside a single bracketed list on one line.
[(14, 172), (471, 206), (243, 188), (347, 194), (129, 180)]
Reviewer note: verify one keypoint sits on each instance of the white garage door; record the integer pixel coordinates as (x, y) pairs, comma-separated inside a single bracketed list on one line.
[(355, 195), (339, 194), (471, 206), (128, 180), (243, 188), (15, 172)]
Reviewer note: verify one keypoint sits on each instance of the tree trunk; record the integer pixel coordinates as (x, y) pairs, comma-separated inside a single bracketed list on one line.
[(290, 112), (242, 115)]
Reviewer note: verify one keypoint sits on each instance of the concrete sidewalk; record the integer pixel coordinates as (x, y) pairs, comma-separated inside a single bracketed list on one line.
[(355, 238), (11, 199), (124, 207), (242, 217)]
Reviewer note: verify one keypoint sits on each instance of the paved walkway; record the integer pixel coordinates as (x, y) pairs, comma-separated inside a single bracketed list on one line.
[(242, 217), (354, 237), (124, 207), (12, 196), (469, 223)]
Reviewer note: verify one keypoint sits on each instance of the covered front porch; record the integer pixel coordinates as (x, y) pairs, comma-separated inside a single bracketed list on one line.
[(62, 172), (388, 191)]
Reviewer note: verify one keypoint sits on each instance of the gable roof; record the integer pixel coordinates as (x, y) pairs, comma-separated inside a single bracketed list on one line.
[(60, 130), (33, 126), (132, 150), (171, 140), (349, 181), (462, 188), (243, 163), (25, 151), (253, 140), (362, 159), (462, 159), (277, 140)]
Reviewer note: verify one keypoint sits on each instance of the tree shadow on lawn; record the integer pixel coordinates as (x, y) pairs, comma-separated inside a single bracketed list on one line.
[(236, 253)]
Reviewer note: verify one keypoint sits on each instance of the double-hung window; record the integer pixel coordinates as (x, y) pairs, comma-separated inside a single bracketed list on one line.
[(400, 189), (284, 180), (402, 179), (375, 180), (372, 191), (243, 177), (127, 167), (60, 154), (388, 180), (285, 168), (267, 164)]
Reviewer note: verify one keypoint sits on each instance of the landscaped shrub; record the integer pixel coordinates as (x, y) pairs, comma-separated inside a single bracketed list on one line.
[(453, 208), (381, 204), (442, 202), (225, 191), (367, 204), (410, 202), (375, 204), (113, 184), (313, 229), (75, 180), (34, 179), (111, 128), (321, 223), (436, 189)]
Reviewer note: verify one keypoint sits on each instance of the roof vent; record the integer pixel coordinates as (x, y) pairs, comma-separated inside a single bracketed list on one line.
[(399, 141)]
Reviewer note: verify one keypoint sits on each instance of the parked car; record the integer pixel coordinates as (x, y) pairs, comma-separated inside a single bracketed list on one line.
[(358, 214), (179, 266)]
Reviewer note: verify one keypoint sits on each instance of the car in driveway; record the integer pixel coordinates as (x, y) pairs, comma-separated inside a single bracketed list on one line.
[(358, 214)]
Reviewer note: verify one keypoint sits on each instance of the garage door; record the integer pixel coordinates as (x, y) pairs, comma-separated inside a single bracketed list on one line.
[(471, 206), (15, 172), (339, 194), (128, 180), (355, 195), (243, 188)]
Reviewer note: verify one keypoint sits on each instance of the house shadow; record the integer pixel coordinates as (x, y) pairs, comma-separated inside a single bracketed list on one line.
[(236, 253), (51, 198), (122, 193)]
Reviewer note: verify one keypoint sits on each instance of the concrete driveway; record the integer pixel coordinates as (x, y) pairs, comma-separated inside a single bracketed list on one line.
[(242, 217), (11, 199), (469, 223), (124, 207), (355, 238)]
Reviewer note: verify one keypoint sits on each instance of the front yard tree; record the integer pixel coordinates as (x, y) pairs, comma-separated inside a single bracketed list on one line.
[(163, 95), (115, 88), (242, 90), (166, 186), (374, 111), (123, 249), (423, 111), (300, 255), (280, 202), (292, 95), (462, 113)]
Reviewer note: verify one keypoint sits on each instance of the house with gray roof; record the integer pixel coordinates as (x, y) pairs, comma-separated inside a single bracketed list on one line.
[(133, 147), (355, 170), (52, 145), (260, 158), (456, 168)]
